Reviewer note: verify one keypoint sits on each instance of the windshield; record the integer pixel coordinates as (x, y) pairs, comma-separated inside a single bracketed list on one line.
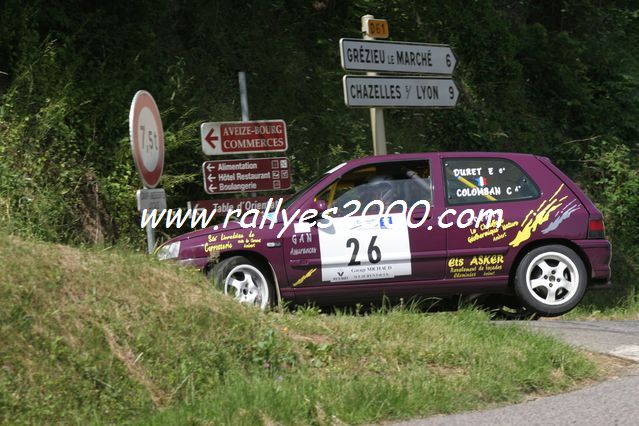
[(299, 193)]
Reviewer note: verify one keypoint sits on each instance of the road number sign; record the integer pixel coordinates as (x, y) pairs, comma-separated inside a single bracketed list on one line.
[(396, 57), (377, 91), (243, 137), (377, 28), (260, 174), (147, 138)]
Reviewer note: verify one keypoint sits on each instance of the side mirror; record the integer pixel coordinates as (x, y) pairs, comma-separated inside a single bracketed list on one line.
[(319, 205)]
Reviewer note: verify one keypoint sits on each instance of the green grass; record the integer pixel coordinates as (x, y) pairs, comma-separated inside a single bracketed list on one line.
[(109, 336), (612, 307), (621, 300), (392, 365)]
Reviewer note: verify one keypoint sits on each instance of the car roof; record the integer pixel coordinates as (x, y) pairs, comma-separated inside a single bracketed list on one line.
[(417, 155)]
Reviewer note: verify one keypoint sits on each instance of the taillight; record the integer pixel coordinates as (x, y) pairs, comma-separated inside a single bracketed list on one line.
[(596, 229)]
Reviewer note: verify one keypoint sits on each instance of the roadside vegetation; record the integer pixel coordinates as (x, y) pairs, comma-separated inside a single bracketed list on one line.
[(612, 305), (107, 336)]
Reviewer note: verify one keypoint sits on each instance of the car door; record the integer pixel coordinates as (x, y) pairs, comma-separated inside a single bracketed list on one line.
[(477, 189), (362, 248)]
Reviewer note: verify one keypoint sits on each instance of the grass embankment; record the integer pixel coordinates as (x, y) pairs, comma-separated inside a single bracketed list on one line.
[(626, 308), (109, 336)]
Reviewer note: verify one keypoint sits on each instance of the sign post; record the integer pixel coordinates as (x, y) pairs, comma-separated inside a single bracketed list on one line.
[(435, 62), (241, 76), (147, 144), (245, 137), (377, 114)]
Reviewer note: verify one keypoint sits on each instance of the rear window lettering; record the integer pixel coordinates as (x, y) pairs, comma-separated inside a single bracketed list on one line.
[(486, 180)]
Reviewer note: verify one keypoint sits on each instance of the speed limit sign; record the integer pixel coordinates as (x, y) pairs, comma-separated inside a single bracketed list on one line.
[(147, 138)]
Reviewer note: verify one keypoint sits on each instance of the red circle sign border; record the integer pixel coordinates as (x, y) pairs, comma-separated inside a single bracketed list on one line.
[(150, 178)]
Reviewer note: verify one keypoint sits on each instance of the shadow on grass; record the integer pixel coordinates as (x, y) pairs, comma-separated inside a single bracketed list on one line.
[(499, 307)]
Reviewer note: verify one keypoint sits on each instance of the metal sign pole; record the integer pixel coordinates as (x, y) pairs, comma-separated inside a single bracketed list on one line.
[(377, 114), (150, 238), (150, 200), (379, 133), (147, 145), (244, 104), (243, 97)]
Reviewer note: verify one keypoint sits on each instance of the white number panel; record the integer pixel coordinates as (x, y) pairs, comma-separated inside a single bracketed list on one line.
[(365, 248)]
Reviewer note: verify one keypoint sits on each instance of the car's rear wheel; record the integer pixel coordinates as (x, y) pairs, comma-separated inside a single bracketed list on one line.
[(245, 280), (551, 280)]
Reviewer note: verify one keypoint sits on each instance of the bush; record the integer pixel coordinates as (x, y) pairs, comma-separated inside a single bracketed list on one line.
[(611, 178)]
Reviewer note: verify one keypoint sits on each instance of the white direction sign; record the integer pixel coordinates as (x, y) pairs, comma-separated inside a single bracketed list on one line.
[(396, 57), (378, 91)]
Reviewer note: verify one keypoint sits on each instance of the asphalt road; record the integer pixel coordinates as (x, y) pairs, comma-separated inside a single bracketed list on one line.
[(613, 402)]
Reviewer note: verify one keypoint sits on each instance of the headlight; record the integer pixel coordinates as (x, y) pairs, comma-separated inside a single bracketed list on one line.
[(169, 251)]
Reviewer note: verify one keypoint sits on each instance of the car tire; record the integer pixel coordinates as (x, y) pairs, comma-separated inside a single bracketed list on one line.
[(551, 280), (245, 280)]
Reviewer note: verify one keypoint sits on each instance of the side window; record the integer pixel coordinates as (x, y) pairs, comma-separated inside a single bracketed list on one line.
[(486, 180), (388, 182)]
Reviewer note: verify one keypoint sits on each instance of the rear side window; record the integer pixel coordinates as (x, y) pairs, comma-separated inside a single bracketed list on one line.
[(486, 180)]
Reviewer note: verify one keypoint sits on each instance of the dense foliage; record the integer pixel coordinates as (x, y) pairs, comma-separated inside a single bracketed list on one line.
[(555, 78)]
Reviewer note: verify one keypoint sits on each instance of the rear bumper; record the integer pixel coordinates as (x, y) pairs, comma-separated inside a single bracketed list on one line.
[(598, 253)]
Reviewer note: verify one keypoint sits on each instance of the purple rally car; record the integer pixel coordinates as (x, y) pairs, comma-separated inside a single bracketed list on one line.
[(512, 226)]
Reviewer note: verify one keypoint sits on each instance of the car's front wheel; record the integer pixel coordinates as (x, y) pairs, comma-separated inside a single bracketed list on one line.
[(245, 280), (551, 280)]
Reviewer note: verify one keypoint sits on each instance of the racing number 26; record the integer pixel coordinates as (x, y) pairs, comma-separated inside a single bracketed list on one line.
[(374, 253)]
